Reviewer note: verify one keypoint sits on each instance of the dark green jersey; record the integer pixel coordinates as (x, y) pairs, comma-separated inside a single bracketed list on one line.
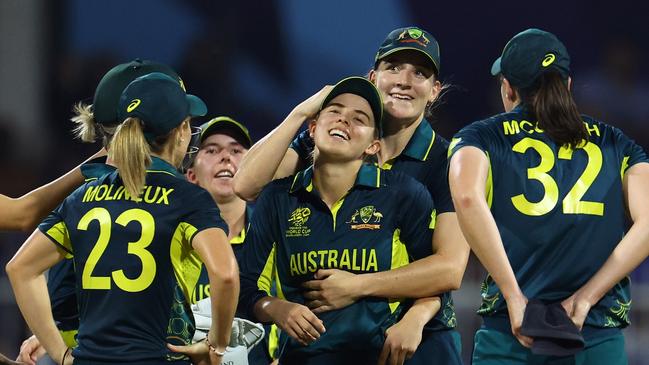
[(560, 212), (60, 279), (385, 220), (423, 158), (135, 266)]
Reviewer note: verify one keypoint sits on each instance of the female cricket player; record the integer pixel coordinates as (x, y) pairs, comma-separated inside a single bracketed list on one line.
[(406, 72), (136, 245), (541, 193)]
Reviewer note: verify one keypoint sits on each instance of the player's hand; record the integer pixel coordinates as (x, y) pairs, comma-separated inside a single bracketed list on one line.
[(516, 309), (298, 322), (401, 342), (30, 351), (332, 289), (577, 309), (198, 352), (311, 106)]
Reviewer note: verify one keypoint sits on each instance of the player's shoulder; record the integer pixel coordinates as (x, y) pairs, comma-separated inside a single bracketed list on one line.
[(403, 183)]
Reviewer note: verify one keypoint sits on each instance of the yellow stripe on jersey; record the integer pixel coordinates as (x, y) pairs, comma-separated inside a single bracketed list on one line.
[(239, 238), (70, 338), (490, 184), (186, 262), (264, 282), (59, 233), (273, 341), (433, 219), (625, 166), (432, 141), (335, 208), (399, 258), (387, 165)]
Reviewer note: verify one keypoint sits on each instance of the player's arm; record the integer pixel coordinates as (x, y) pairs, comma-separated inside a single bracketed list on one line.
[(467, 177), (432, 275), (25, 272), (437, 268), (271, 158), (26, 212), (216, 253), (403, 338), (632, 250), (295, 319)]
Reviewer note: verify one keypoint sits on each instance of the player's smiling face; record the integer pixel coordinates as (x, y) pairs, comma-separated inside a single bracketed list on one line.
[(406, 81), (345, 128), (215, 165)]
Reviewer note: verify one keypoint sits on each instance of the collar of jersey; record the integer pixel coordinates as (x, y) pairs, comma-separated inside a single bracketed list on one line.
[(368, 175), (161, 166), (420, 142)]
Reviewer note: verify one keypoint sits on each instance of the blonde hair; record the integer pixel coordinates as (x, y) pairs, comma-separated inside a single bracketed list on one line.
[(131, 153), (86, 127)]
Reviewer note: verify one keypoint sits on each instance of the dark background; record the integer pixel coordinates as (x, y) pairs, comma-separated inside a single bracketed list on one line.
[(255, 60)]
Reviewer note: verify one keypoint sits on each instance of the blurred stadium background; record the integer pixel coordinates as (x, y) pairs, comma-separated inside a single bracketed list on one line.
[(255, 60)]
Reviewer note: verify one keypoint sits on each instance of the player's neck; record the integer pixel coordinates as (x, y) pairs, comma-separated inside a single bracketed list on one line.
[(233, 213), (396, 136), (334, 180)]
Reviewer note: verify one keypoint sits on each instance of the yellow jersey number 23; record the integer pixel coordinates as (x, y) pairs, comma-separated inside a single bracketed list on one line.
[(137, 248)]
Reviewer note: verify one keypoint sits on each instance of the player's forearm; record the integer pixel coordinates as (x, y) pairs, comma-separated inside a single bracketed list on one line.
[(33, 299), (632, 250), (429, 276), (261, 163), (225, 291), (267, 309), (422, 311), (26, 212)]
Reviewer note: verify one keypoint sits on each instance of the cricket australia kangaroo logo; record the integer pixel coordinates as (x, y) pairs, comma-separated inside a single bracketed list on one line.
[(366, 217)]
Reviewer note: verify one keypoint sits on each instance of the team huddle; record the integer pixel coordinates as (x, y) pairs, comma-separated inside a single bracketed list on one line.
[(341, 242)]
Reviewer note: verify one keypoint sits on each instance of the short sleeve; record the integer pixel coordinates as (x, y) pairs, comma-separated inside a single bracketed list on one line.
[(56, 230), (438, 182), (203, 215), (632, 152), (471, 135)]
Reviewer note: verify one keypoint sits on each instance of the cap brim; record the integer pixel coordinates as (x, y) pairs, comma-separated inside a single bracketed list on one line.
[(495, 68), (398, 49), (226, 125), (197, 107), (362, 87)]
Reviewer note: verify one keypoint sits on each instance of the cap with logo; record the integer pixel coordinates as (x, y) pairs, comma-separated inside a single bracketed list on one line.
[(410, 38), (364, 88), (528, 55), (228, 126), (110, 87), (160, 102)]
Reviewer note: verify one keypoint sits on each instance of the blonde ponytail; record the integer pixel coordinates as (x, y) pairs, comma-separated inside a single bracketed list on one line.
[(130, 152), (86, 129)]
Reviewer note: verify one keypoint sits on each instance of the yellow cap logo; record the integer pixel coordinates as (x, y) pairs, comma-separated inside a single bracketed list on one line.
[(182, 84), (134, 104), (548, 59)]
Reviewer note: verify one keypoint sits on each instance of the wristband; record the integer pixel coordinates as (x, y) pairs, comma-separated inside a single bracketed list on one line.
[(212, 348)]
